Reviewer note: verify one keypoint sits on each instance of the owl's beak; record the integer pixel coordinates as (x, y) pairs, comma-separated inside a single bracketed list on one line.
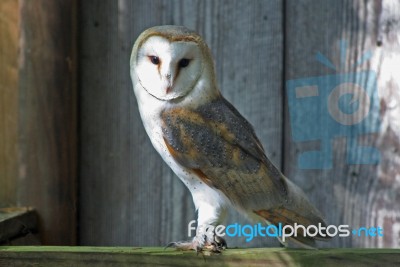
[(169, 86)]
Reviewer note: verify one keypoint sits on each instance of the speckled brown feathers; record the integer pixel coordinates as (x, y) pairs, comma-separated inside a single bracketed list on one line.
[(216, 141)]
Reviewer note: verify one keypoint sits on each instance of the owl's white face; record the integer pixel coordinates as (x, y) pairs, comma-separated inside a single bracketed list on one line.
[(168, 70)]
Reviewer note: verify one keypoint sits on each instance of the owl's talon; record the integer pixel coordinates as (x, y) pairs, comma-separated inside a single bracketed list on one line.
[(215, 247), (181, 245), (220, 242), (170, 245)]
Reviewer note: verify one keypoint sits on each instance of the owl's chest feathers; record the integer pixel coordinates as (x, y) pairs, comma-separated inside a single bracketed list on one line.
[(151, 113)]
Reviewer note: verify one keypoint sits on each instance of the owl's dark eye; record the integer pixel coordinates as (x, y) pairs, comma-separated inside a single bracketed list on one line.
[(184, 62), (155, 60)]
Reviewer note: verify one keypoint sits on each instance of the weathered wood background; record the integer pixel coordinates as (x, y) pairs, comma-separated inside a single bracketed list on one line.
[(38, 120), (126, 194), (129, 196)]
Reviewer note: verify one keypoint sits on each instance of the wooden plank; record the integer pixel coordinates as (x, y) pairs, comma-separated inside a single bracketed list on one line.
[(17, 222), (357, 195), (48, 121), (124, 185), (9, 38), (142, 256)]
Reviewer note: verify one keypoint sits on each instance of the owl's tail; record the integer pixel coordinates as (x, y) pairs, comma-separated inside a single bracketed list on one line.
[(297, 212)]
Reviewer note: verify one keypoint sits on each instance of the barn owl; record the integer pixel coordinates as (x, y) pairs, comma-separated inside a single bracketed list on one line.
[(209, 145)]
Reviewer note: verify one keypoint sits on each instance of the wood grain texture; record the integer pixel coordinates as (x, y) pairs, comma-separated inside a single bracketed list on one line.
[(9, 38), (47, 121), (128, 195), (157, 256), (357, 195)]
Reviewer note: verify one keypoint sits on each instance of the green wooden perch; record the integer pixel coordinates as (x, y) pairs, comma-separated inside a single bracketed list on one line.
[(146, 256), (15, 222)]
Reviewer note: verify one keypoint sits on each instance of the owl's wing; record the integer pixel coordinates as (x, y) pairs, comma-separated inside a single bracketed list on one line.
[(220, 146)]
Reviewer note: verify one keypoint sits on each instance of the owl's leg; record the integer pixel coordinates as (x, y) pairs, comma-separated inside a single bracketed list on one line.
[(209, 214)]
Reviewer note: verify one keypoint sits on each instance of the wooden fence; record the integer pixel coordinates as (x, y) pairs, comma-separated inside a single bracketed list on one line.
[(83, 159), (38, 120)]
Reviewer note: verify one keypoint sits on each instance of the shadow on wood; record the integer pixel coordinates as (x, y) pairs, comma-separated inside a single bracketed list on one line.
[(16, 224)]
